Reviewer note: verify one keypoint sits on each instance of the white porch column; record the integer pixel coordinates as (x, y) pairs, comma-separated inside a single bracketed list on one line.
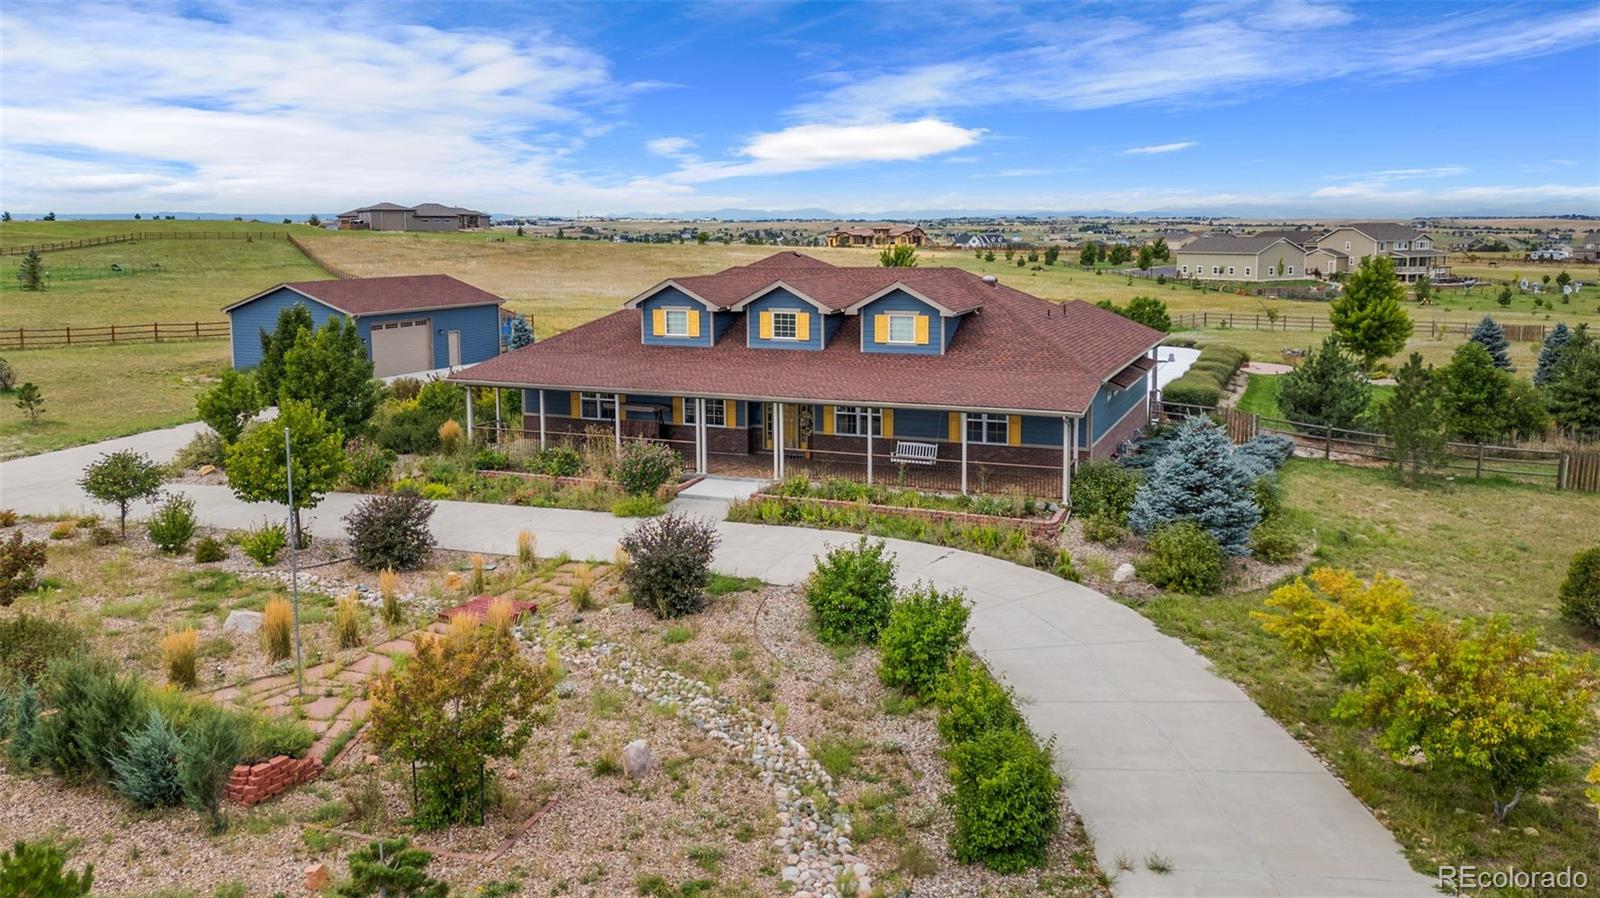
[(541, 418), (776, 410), (1069, 445), (497, 424), (616, 419), (869, 444), (469, 413), (700, 436), (963, 453)]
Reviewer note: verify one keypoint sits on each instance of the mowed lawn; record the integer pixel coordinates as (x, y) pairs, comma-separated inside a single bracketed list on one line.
[(1472, 548)]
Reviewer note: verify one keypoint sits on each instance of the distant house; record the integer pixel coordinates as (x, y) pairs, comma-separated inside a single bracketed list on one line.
[(877, 235), (1288, 254), (1413, 251), (426, 217), (1550, 254), (410, 324), (984, 240), (1251, 257), (1176, 238)]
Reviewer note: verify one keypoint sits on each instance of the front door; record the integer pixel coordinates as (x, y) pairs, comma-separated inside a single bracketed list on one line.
[(791, 426), (455, 349)]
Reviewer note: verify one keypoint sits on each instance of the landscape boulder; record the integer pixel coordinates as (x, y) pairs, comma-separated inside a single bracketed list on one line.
[(241, 621), (1123, 573), (636, 759)]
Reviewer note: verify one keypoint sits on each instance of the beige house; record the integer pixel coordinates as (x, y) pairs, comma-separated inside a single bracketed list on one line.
[(1242, 258), (877, 235), (1414, 252)]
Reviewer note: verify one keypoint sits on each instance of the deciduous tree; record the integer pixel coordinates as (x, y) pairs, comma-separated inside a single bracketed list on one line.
[(229, 405), (1329, 615), (1368, 318), (900, 255), (291, 321), (256, 467), (123, 478), (330, 370)]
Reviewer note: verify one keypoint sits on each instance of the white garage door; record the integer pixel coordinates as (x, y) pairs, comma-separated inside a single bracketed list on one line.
[(402, 347)]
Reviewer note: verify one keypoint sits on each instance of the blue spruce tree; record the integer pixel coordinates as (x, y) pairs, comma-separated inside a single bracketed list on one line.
[(1549, 353), (1493, 338), (147, 770), (1199, 479), (521, 333)]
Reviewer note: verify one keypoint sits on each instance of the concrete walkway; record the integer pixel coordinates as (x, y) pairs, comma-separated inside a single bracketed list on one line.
[(1161, 755)]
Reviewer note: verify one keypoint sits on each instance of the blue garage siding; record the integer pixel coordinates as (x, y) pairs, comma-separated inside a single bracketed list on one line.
[(672, 297), (781, 300), (250, 319), (901, 301), (1110, 404), (479, 327)]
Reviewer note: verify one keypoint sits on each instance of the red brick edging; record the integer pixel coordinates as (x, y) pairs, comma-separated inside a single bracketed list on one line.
[(252, 784)]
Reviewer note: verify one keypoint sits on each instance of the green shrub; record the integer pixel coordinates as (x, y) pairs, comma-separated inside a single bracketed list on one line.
[(644, 466), (269, 736), (1006, 800), (1274, 541), (37, 870), (19, 722), (367, 464), (147, 770), (209, 550), (404, 388), (670, 564), (1104, 488), (556, 461), (95, 710), (1268, 494), (1192, 390), (20, 560), (207, 448), (1580, 591), (391, 532), (213, 742), (492, 460), (643, 505), (264, 544), (925, 630), (851, 591), (1231, 356), (971, 702), (1185, 558), (173, 524), (1104, 529), (29, 643)]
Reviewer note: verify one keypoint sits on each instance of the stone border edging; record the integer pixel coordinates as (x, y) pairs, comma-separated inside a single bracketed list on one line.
[(1034, 526)]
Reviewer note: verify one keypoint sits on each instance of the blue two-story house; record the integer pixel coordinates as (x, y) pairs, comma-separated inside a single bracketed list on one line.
[(411, 323), (934, 377)]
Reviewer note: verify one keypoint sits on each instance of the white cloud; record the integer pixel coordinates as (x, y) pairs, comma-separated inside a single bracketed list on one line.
[(671, 147), (1158, 149), (810, 147)]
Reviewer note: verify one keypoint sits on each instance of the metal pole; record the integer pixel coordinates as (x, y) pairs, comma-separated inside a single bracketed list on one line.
[(469, 414), (963, 452), (616, 419), (497, 414), (294, 562), (1067, 442)]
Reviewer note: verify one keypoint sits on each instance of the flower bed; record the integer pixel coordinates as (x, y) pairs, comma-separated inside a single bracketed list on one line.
[(1038, 518)]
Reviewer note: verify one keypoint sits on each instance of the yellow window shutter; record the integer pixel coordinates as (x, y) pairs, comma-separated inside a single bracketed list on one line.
[(888, 423), (880, 328), (766, 325), (802, 325), (658, 322), (1014, 430), (955, 427), (730, 413), (827, 419), (694, 323), (577, 405), (677, 409), (922, 330)]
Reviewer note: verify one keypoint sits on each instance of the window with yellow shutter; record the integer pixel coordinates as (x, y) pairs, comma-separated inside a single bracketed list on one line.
[(903, 328)]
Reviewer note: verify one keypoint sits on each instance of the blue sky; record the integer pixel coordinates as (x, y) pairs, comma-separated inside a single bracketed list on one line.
[(1286, 108)]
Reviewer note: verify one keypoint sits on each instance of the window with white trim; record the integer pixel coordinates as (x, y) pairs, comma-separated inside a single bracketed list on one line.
[(982, 428), (597, 406), (1291, 269), (677, 322), (851, 420), (1183, 269), (716, 412), (902, 327), (1230, 269), (784, 326), (1247, 271)]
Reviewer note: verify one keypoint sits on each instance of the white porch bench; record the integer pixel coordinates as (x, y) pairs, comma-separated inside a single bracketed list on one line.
[(915, 453)]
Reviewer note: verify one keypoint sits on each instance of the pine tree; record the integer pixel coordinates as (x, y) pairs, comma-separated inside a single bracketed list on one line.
[(147, 770), (1329, 388), (314, 221), (521, 333), (1413, 420), (1474, 395), (391, 868), (30, 400), (1574, 388), (1493, 338), (291, 322), (20, 722), (330, 370), (1549, 353), (1198, 479), (31, 271), (1369, 318)]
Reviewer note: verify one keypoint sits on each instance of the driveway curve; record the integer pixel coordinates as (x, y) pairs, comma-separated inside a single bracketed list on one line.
[(1161, 755)]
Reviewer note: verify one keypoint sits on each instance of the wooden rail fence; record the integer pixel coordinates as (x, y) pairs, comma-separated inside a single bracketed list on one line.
[(140, 235), (50, 338), (1515, 332), (1563, 469)]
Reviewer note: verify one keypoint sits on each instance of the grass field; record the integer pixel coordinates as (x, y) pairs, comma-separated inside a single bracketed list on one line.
[(1463, 549)]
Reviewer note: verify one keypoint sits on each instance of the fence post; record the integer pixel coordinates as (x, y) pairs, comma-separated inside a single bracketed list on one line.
[(155, 329), (113, 333), (197, 330), (1479, 472), (1561, 471), (22, 340), (69, 336), (1327, 441)]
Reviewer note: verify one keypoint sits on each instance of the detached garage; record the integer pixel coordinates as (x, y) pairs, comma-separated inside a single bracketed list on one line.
[(410, 324)]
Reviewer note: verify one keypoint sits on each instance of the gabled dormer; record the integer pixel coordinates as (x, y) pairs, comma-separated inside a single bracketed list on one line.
[(672, 315), (781, 316), (898, 319)]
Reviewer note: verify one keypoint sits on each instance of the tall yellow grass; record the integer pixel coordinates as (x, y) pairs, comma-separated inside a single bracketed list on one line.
[(180, 650), (501, 615), (620, 560), (478, 577), (462, 628), (582, 592), (453, 582), (277, 625), (347, 617), (389, 589), (525, 547), (449, 436)]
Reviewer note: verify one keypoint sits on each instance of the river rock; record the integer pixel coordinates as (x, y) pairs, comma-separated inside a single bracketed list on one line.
[(241, 621), (1123, 573), (636, 759)]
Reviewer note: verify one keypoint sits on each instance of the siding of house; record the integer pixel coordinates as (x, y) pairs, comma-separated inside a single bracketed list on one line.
[(1111, 404), (1360, 245), (672, 297), (1200, 264), (901, 301), (249, 320), (818, 328), (479, 327)]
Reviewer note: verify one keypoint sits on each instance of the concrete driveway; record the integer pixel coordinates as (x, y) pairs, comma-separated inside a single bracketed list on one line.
[(1161, 755)]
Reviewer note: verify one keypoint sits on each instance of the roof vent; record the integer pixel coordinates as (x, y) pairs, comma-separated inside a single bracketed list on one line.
[(990, 279)]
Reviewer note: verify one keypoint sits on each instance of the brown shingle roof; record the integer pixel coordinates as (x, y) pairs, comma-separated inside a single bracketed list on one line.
[(1017, 352), (376, 296), (1248, 245), (834, 287)]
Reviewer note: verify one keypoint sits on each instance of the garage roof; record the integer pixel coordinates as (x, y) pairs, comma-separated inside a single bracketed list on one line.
[(381, 296)]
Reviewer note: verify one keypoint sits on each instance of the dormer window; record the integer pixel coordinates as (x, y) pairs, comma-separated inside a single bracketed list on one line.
[(902, 328), (785, 326), (677, 323)]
